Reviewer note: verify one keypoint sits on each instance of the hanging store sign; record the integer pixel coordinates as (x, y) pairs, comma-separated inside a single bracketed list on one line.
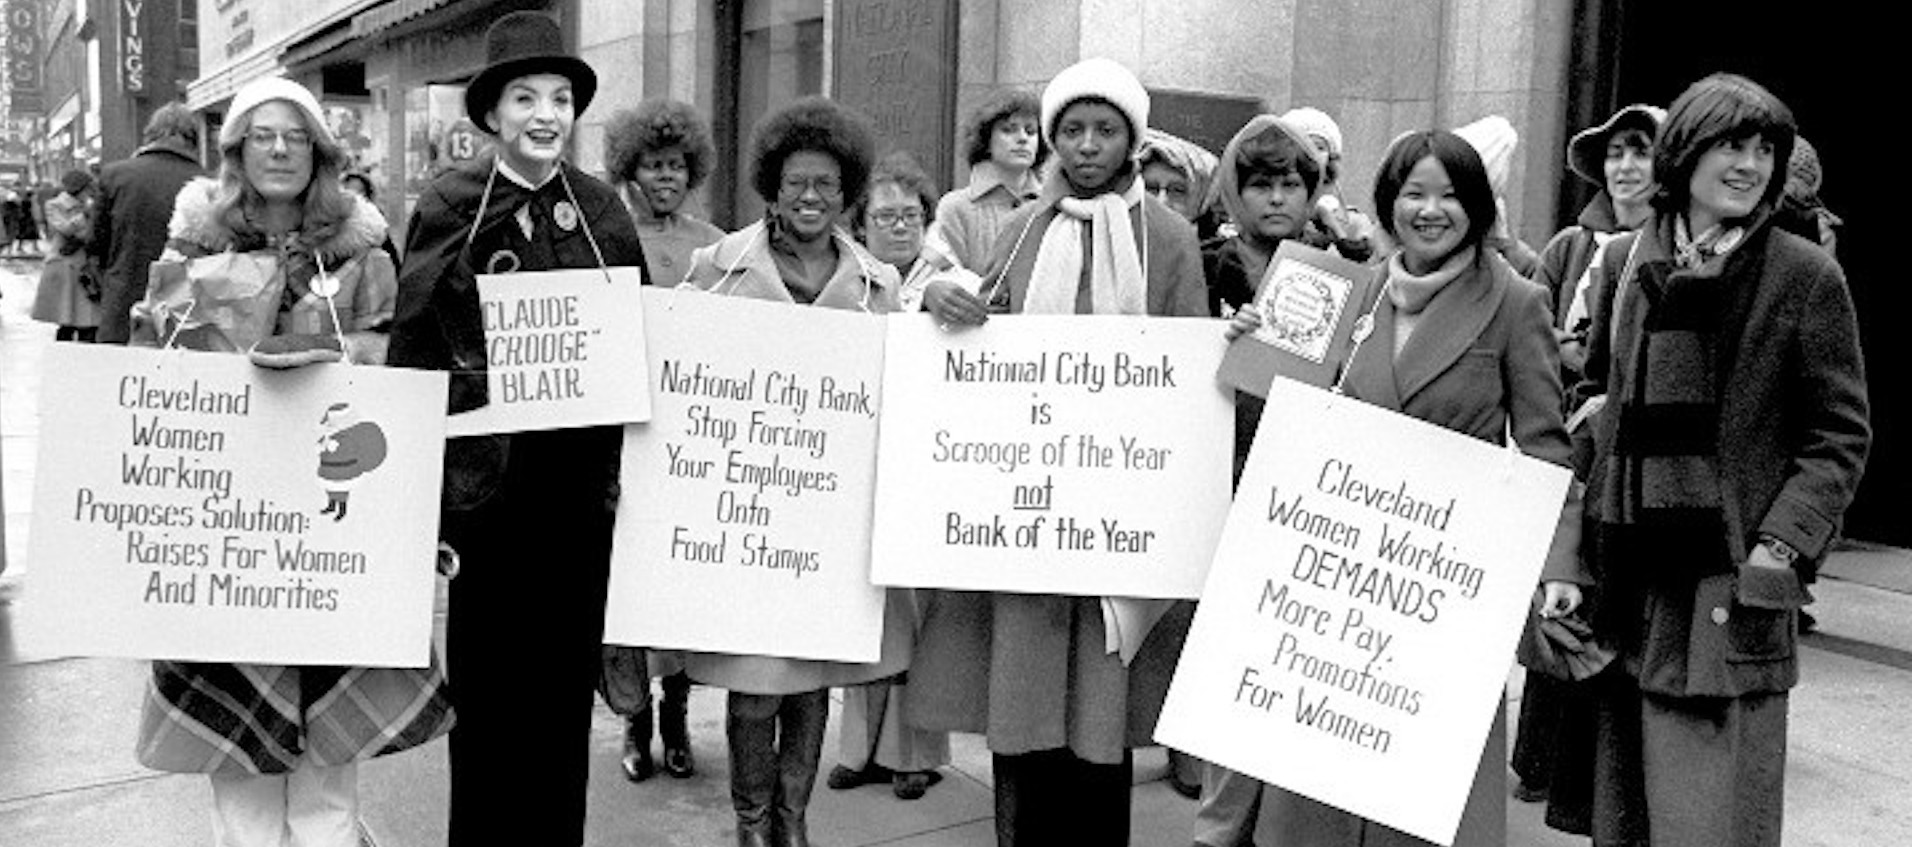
[(24, 86), (132, 47)]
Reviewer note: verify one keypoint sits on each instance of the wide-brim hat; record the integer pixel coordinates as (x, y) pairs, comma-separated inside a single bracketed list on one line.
[(1587, 151), (521, 44)]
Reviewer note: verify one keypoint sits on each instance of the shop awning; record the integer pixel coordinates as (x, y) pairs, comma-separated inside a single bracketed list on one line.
[(392, 14)]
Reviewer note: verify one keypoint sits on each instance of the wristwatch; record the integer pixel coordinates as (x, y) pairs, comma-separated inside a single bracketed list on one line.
[(1781, 550)]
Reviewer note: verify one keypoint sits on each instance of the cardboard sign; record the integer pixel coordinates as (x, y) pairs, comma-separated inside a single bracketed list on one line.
[(744, 526), (193, 506), (560, 351), (1358, 623), (1053, 454), (1310, 303)]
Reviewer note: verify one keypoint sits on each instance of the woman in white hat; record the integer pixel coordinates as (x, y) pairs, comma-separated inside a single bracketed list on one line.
[(529, 512), (1061, 721), (280, 744)]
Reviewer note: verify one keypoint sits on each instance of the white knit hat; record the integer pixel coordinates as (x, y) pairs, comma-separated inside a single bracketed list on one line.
[(1314, 123), (267, 89), (1494, 139), (1100, 78)]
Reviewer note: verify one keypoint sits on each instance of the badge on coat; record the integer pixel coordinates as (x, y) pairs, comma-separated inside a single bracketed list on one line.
[(566, 215)]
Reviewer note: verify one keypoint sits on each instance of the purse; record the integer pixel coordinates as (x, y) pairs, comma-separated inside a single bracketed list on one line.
[(1563, 648)]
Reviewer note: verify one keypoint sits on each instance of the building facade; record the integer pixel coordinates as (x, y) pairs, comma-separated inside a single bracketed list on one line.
[(1380, 67), (105, 67)]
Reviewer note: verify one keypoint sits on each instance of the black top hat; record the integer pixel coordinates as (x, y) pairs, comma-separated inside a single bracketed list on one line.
[(521, 44)]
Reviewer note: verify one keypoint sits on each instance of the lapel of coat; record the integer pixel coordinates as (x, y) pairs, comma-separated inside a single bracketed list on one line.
[(1449, 326), (1371, 370)]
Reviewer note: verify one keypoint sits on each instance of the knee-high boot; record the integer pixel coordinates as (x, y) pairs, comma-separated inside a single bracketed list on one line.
[(671, 724), (799, 750), (750, 726)]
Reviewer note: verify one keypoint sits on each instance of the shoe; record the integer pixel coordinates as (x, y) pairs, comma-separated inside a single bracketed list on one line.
[(1528, 793), (843, 778), (912, 785), (1188, 790), (637, 750), (679, 763)]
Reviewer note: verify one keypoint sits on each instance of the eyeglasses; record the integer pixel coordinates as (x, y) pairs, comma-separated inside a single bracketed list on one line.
[(826, 186), (262, 138), (891, 217)]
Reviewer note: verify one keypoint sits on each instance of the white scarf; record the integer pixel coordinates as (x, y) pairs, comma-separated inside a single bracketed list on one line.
[(1117, 277)]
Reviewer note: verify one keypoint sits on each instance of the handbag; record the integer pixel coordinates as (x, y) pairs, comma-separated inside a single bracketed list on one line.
[(1563, 648), (624, 680)]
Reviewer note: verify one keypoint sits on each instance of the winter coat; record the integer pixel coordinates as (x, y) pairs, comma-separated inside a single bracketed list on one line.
[(129, 226), (61, 298), (741, 265), (1031, 671), (668, 240), (268, 719), (438, 325), (1792, 436)]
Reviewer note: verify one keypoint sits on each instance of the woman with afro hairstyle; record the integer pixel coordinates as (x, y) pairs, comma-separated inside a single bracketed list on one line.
[(657, 154), (810, 162), (1005, 153)]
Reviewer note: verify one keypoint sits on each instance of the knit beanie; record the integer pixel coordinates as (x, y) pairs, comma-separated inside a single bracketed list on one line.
[(270, 88), (1494, 139), (1803, 175), (1100, 78), (1314, 123)]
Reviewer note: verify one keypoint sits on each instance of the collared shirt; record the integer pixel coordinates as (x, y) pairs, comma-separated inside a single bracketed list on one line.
[(970, 219)]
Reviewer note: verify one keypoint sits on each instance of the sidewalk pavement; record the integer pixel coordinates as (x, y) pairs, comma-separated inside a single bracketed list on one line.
[(67, 774)]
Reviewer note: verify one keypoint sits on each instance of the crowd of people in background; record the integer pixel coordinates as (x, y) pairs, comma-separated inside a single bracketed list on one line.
[(1688, 348)]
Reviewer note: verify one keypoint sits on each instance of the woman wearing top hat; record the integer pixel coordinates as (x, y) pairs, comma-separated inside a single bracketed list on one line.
[(530, 513)]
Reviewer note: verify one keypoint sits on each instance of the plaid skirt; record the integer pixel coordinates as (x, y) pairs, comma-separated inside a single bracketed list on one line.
[(266, 719)]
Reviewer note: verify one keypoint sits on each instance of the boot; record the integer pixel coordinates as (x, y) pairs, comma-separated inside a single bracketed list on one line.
[(678, 761), (637, 747), (751, 731), (799, 751)]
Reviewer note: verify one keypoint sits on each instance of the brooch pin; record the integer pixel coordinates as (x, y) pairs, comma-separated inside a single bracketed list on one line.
[(325, 285), (566, 215)]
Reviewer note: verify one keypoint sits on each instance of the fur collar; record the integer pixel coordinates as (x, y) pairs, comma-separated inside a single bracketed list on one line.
[(195, 223)]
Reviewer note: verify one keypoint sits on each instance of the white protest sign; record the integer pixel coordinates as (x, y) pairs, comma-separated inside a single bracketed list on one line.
[(560, 351), (1053, 454), (1361, 614), (194, 506), (744, 526)]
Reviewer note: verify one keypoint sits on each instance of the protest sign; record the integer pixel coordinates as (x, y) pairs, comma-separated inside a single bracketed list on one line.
[(193, 506), (744, 526), (1310, 302), (560, 351), (1053, 454), (1360, 618)]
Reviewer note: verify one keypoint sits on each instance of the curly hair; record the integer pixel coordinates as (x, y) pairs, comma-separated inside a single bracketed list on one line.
[(655, 126), (900, 169), (326, 203), (1007, 103), (817, 125)]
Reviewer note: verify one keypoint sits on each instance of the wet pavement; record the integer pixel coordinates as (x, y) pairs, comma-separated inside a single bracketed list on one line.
[(67, 774)]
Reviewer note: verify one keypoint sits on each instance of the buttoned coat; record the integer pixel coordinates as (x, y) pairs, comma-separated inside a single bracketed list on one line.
[(129, 226)]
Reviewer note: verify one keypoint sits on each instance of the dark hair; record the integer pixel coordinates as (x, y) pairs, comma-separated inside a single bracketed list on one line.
[(1275, 152), (365, 183), (1632, 138), (819, 125), (1464, 170), (172, 120), (900, 169), (656, 126), (1000, 106), (75, 181), (1720, 107)]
